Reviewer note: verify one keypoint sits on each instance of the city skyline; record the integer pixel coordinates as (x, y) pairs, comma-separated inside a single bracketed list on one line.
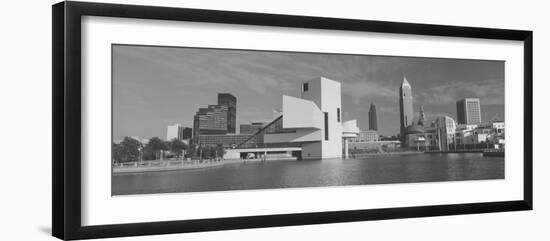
[(154, 87)]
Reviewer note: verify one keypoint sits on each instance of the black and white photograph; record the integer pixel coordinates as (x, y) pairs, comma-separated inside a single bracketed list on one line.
[(188, 119)]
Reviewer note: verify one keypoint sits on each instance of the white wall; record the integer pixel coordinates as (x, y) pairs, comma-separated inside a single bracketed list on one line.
[(25, 183)]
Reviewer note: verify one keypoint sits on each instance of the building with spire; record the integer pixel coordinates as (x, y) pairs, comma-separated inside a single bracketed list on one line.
[(422, 118), (405, 107), (373, 118)]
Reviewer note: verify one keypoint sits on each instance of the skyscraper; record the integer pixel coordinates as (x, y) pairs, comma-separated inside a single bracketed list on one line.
[(174, 132), (405, 107), (177, 131), (210, 120), (226, 99), (468, 111), (373, 118)]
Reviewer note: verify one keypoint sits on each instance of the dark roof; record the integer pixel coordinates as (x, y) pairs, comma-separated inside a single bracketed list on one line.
[(415, 129)]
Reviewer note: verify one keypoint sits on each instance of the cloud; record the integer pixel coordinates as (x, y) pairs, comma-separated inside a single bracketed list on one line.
[(490, 92), (386, 109), (367, 89)]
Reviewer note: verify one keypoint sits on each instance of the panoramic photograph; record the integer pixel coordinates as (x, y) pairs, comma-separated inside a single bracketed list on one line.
[(202, 119)]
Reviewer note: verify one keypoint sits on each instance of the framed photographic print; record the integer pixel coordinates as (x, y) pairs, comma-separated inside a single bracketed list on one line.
[(169, 120)]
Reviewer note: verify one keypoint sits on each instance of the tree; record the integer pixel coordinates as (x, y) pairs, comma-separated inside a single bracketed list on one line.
[(219, 150), (191, 151), (153, 147), (117, 152), (177, 147), (127, 150)]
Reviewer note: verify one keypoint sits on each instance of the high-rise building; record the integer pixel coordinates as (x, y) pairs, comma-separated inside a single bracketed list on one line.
[(405, 107), (210, 120), (373, 118), (187, 133), (216, 119), (468, 111), (177, 131), (226, 99)]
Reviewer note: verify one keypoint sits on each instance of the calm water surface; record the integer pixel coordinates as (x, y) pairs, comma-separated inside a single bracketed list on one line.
[(314, 173)]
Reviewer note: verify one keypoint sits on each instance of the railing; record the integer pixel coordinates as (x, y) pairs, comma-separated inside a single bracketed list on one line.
[(163, 163)]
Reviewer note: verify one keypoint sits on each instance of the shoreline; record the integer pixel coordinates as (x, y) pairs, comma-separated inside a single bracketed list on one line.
[(160, 166), (404, 153), (189, 166)]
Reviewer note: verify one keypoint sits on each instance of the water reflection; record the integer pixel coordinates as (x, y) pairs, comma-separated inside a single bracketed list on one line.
[(315, 173)]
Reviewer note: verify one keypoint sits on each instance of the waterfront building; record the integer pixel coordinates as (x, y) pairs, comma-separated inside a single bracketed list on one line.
[(227, 140), (468, 111), (446, 128), (421, 138), (366, 136), (379, 146), (230, 101), (252, 127), (210, 120), (405, 107), (177, 131), (313, 122), (482, 135), (373, 118), (216, 119)]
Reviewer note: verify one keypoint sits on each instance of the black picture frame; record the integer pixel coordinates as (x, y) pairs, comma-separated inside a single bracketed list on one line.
[(66, 127)]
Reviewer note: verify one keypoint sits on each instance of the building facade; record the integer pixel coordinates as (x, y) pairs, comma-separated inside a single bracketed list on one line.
[(230, 101), (468, 111), (445, 128), (177, 131), (252, 127), (314, 121), (226, 140), (216, 119), (209, 121), (406, 115), (366, 136), (373, 118)]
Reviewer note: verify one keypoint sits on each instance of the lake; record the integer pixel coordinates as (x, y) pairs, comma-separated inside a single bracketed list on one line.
[(314, 173)]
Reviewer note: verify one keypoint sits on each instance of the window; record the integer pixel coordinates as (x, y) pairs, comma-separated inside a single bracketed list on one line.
[(306, 87), (338, 114), (326, 126)]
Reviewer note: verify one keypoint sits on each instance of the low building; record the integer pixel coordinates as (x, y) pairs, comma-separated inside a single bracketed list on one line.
[(421, 138), (365, 136), (252, 127), (226, 140)]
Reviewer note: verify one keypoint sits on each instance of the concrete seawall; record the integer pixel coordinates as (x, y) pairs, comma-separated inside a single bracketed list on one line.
[(169, 166)]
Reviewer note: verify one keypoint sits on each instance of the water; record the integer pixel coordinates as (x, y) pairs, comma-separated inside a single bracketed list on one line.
[(314, 173)]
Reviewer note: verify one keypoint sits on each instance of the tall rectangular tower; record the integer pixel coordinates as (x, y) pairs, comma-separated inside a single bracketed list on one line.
[(405, 107), (326, 94), (468, 111), (373, 118), (226, 99), (174, 132)]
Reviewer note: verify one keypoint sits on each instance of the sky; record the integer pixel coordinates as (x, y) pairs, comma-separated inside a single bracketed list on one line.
[(154, 87)]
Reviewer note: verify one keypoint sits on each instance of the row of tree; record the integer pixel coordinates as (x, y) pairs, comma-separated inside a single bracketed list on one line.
[(132, 150)]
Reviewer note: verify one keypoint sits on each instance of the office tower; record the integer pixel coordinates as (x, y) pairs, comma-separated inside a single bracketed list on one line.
[(174, 132), (405, 107), (373, 118), (468, 111), (210, 120), (226, 99)]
